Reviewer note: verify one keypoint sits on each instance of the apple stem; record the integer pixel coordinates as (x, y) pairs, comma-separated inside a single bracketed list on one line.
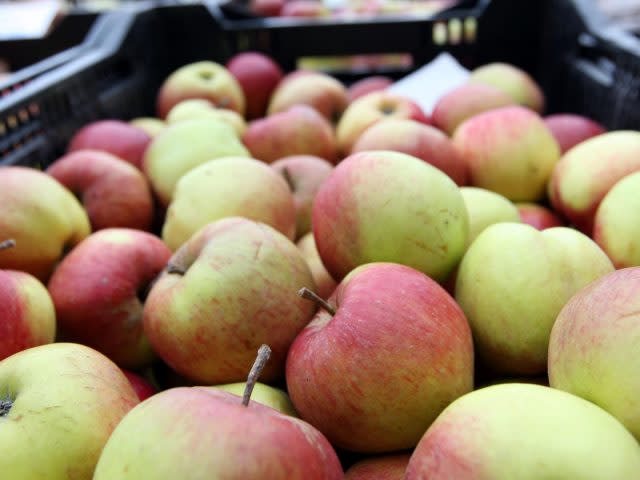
[(264, 352), (171, 268), (6, 402), (287, 176), (307, 294), (6, 244)]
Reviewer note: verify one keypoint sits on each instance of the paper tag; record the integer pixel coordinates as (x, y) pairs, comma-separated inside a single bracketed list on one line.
[(27, 19)]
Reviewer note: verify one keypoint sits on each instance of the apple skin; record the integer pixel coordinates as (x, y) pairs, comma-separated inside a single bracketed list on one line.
[(28, 316), (42, 216), (593, 350), (229, 187), (264, 394), (464, 102), (388, 467), (300, 130), (66, 400), (486, 208), (238, 292), (508, 150), (265, 8), (367, 85), (538, 216), (198, 108), (570, 129), (116, 137), (151, 125), (516, 83), (587, 172), (617, 222), (96, 289), (197, 433), (414, 138), (325, 284), (414, 356), (385, 206), (182, 147), (258, 75), (142, 387), (304, 8), (304, 174), (113, 192), (208, 80), (526, 432), (369, 109), (512, 283)]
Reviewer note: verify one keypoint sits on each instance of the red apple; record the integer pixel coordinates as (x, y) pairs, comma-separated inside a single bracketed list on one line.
[(267, 8), (142, 387), (388, 467), (538, 216), (570, 129), (367, 85)]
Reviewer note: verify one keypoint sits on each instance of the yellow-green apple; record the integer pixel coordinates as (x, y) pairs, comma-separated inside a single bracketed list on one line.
[(318, 90), (28, 317), (508, 150), (98, 291), (42, 216), (113, 192), (384, 206), (143, 388), (258, 75), (527, 432), (151, 125), (116, 137), (264, 394), (203, 433), (367, 85), (205, 79), (538, 216), (231, 287), (464, 102), (300, 130), (486, 208), (587, 172), (593, 350), (570, 129), (185, 145), (304, 8), (512, 283), (387, 467), (513, 81), (417, 139), (59, 404), (198, 108), (388, 351), (369, 109), (617, 222), (304, 175), (229, 187), (325, 284)]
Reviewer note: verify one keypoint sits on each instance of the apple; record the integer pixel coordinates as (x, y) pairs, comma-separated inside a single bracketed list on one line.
[(264, 394), (367, 85), (538, 216), (205, 79), (184, 146), (59, 404), (98, 291), (414, 138), (113, 192), (265, 8), (304, 8), (42, 216), (383, 206), (587, 172), (198, 108), (369, 109), (325, 284), (570, 129), (513, 81), (508, 150), (486, 208), (231, 287), (257, 74), (464, 102), (526, 432), (116, 137), (512, 283), (141, 386), (151, 125), (304, 174), (387, 467), (593, 350), (300, 130), (388, 351), (228, 187), (617, 222)]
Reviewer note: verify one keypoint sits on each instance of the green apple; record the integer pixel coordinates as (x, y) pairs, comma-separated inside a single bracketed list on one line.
[(153, 126), (486, 208), (264, 394), (200, 108), (325, 284)]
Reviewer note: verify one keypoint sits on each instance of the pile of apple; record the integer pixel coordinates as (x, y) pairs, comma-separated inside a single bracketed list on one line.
[(453, 296)]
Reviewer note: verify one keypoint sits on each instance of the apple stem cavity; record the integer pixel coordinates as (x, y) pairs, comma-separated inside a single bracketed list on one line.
[(171, 268), (264, 352), (6, 402), (307, 294), (7, 244), (287, 176)]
